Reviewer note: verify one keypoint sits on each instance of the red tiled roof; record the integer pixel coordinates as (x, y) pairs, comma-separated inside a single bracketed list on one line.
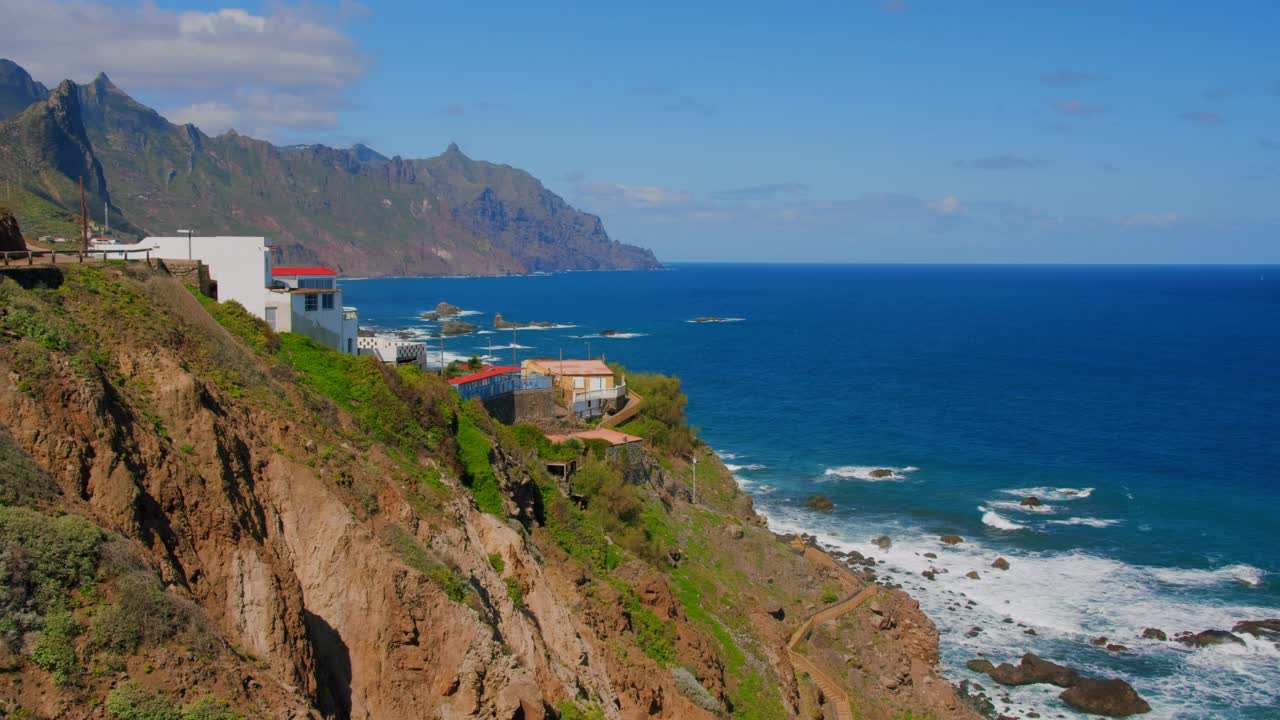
[(488, 372), (613, 437), (301, 270)]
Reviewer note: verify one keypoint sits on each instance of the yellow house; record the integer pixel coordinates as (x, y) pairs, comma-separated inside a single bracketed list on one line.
[(587, 387)]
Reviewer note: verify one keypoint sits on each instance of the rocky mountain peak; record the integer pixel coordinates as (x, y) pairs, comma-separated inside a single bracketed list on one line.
[(18, 90)]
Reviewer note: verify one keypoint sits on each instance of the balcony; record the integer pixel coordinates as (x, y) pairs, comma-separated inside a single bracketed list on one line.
[(502, 385), (590, 403)]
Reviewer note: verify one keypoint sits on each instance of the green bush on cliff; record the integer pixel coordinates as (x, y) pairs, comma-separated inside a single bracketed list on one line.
[(128, 702), (662, 419), (386, 404), (55, 649), (473, 455), (251, 329), (571, 710), (531, 437), (569, 528)]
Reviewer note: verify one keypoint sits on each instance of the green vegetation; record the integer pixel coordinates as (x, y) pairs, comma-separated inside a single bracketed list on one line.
[(473, 455), (251, 329), (830, 595), (622, 510), (569, 528), (661, 420), (514, 592), (496, 562), (570, 710), (655, 637), (531, 437), (415, 556), (128, 702), (55, 649), (391, 406), (43, 558), (141, 614)]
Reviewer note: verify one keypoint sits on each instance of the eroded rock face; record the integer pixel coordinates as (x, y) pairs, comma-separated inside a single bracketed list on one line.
[(1112, 698), (1033, 669), (10, 234)]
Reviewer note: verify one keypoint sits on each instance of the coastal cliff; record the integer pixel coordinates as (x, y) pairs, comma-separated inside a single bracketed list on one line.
[(200, 516)]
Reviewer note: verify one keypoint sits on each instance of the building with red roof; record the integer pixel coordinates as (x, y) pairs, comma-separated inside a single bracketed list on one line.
[(306, 299)]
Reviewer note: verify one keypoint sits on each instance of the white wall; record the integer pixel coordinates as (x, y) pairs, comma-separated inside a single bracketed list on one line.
[(240, 265)]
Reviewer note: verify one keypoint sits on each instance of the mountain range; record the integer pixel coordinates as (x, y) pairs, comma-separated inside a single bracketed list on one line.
[(351, 208)]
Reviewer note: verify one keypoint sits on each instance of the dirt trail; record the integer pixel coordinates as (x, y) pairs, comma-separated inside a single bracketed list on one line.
[(830, 688)]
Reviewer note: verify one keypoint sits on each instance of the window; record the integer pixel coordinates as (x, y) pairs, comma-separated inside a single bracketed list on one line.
[(326, 302), (349, 350), (310, 303), (579, 383), (316, 283)]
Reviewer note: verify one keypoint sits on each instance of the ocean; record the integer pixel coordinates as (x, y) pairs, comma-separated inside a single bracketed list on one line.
[(1140, 404)]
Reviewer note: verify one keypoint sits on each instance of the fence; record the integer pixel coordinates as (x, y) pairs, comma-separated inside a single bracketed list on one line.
[(501, 385), (50, 257)]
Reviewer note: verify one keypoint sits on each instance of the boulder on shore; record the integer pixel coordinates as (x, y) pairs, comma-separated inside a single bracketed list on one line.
[(973, 575), (1000, 564), (980, 665), (1033, 669), (1154, 634), (1258, 628), (883, 542), (1208, 638), (951, 539), (1112, 698), (821, 503)]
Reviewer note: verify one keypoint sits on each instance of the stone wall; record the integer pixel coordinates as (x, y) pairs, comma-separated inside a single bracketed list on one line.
[(522, 406), (192, 273)]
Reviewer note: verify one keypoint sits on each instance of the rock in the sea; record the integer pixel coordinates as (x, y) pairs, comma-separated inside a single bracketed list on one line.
[(1112, 698), (1000, 564), (1030, 501), (821, 503), (1033, 670), (457, 327), (951, 539), (931, 556), (883, 542), (1116, 648), (1099, 641), (1209, 637), (1154, 634), (980, 665), (880, 473), (930, 574), (1258, 628)]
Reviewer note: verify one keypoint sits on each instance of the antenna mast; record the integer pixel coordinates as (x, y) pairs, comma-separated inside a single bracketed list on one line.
[(84, 219)]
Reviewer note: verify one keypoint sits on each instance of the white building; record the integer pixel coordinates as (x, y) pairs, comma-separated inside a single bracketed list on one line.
[(241, 266), (308, 301), (394, 352)]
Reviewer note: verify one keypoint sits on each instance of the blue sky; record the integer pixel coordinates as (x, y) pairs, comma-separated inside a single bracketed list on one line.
[(909, 131)]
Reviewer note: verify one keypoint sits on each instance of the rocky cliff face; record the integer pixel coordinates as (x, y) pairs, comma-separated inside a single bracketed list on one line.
[(17, 89), (10, 234), (352, 208), (341, 556)]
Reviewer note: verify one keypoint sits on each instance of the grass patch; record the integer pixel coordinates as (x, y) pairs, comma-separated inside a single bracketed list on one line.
[(573, 710), (473, 455), (55, 650), (569, 528), (251, 329), (128, 702), (407, 547)]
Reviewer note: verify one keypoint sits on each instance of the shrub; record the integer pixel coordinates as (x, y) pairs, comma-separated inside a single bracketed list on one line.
[(571, 710), (473, 455), (662, 417), (251, 329), (829, 595), (55, 650), (496, 562), (415, 556), (514, 592), (689, 686), (573, 532), (142, 614), (655, 636), (58, 554), (131, 703)]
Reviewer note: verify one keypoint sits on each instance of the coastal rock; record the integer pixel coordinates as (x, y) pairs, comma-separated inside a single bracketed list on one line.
[(1112, 698), (1258, 628), (10, 234), (1099, 641), (1209, 638), (880, 473), (931, 556), (1116, 648), (973, 575), (1033, 669), (450, 328), (1000, 564), (930, 574), (1155, 634), (980, 665), (821, 503), (501, 323), (1030, 501), (443, 310), (883, 542), (951, 539)]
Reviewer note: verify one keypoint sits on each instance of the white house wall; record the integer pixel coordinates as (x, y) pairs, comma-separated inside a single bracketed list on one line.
[(240, 265)]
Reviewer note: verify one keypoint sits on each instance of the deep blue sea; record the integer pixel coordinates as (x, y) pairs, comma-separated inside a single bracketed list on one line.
[(1140, 404)]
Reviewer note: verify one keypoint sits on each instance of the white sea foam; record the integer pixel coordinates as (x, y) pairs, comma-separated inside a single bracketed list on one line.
[(864, 472), (725, 455), (993, 519), (510, 346), (557, 326), (750, 466), (1018, 507), (613, 336), (1048, 493), (1067, 597), (1086, 521), (718, 320)]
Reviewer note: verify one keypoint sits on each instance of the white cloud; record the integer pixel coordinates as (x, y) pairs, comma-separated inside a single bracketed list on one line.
[(283, 68), (949, 205)]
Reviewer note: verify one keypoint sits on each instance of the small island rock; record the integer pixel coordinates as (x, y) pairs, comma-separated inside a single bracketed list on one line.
[(951, 539), (1033, 669), (821, 503), (1154, 634), (1030, 501), (1112, 698), (1000, 564)]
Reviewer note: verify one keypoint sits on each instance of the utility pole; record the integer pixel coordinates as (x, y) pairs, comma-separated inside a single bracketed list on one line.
[(695, 479), (442, 352), (514, 361), (84, 219)]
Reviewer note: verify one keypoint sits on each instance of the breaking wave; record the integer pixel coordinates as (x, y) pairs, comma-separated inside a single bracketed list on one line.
[(1048, 493), (751, 466), (993, 519), (1086, 521), (869, 473)]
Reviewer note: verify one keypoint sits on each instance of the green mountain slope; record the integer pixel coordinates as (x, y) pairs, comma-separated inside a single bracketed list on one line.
[(355, 208)]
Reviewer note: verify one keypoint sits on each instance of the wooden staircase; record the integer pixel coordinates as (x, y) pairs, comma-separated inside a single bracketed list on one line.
[(830, 688)]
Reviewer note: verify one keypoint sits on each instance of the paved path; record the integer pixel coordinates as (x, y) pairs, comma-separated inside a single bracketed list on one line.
[(830, 688), (634, 402)]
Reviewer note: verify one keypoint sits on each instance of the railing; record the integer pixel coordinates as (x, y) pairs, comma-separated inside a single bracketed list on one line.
[(612, 393), (51, 256), (501, 385)]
